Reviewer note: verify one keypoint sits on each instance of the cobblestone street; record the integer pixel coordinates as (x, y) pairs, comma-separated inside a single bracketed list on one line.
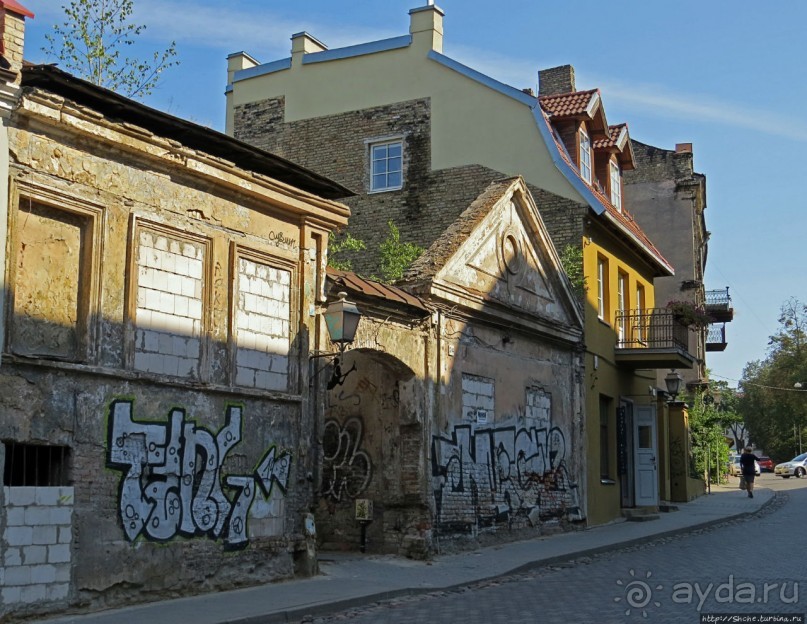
[(748, 566)]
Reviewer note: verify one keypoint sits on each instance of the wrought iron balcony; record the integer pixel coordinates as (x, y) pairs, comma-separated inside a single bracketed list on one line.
[(652, 338), (718, 305), (716, 337)]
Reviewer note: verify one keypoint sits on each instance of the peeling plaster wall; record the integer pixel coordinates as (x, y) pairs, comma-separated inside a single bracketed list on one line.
[(185, 477)]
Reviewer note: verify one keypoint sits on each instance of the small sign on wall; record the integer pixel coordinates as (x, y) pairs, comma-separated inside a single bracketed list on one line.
[(481, 417), (364, 510)]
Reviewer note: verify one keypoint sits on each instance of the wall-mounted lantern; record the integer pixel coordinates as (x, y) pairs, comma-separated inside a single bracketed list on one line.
[(342, 320), (673, 382)]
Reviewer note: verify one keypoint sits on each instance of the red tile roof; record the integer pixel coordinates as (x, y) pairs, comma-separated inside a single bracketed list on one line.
[(370, 288), (15, 7), (621, 216), (568, 104), (610, 141)]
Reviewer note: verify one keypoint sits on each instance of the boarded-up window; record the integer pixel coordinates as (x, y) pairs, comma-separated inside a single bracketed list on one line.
[(169, 304), (478, 405), (262, 325), (52, 256)]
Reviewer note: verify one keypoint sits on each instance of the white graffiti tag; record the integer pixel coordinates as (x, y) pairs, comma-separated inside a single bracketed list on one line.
[(172, 482)]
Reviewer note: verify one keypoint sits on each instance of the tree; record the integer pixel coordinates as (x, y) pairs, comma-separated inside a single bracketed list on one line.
[(774, 411), (396, 256), (90, 41), (339, 248), (571, 258)]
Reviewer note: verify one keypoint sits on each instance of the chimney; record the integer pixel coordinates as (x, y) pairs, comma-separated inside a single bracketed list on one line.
[(556, 80), (236, 62), (683, 148), (426, 27), (302, 43), (12, 26)]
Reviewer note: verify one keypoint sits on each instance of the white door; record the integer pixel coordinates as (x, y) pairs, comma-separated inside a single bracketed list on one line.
[(645, 453)]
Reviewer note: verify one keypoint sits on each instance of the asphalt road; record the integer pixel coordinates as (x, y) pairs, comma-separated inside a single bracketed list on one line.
[(751, 566)]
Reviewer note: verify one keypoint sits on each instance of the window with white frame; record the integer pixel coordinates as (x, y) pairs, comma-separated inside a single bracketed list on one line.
[(386, 165), (616, 186), (602, 276), (585, 156), (621, 294)]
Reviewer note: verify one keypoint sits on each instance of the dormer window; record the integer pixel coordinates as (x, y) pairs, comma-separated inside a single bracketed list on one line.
[(616, 186), (585, 156)]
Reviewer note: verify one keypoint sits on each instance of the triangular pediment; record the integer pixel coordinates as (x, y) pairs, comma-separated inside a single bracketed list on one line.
[(506, 258)]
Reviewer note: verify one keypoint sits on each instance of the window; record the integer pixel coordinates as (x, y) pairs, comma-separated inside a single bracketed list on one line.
[(616, 186), (585, 156), (477, 399), (262, 324), (386, 166), (169, 302), (35, 465), (605, 439), (602, 288), (622, 285), (55, 276)]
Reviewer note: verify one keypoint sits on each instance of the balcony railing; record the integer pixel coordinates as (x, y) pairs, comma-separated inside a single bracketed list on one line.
[(652, 338), (653, 328), (716, 337), (718, 305)]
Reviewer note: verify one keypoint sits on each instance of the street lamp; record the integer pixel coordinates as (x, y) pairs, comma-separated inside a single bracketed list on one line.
[(673, 382), (342, 320)]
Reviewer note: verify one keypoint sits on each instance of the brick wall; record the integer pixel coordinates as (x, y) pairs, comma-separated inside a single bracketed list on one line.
[(337, 146)]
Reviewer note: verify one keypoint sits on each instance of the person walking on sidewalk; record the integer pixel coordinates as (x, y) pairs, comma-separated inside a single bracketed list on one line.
[(748, 468)]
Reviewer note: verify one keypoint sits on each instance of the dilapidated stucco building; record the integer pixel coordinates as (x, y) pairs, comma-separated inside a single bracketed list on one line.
[(457, 416), (162, 284)]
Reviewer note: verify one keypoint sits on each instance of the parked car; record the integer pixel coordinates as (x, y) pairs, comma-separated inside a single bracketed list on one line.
[(796, 467), (766, 464), (735, 470)]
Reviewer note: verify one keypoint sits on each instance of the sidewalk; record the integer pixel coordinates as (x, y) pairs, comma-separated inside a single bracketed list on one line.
[(349, 580)]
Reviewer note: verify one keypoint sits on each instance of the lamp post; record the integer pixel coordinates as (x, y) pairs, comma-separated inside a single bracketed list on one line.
[(799, 386)]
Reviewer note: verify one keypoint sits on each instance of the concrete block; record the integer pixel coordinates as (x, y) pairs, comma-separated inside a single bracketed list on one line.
[(195, 269), (21, 496), (43, 574), (57, 591), (46, 496), (19, 536), (33, 555), (11, 557), (36, 516), (11, 595), (65, 535), (18, 575), (59, 553), (33, 593), (15, 516), (62, 516), (62, 572), (67, 495), (245, 377), (46, 535)]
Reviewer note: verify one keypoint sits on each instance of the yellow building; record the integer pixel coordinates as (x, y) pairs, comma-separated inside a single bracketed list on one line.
[(417, 135)]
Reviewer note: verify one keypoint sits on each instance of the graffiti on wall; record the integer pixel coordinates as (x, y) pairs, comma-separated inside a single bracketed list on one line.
[(487, 476), (347, 469), (172, 481)]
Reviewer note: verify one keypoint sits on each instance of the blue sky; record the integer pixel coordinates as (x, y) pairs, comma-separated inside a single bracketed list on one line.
[(728, 76)]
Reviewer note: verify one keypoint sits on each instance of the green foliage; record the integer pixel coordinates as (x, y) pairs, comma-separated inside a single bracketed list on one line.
[(708, 420), (571, 258), (339, 248), (396, 256), (774, 410), (89, 44), (689, 314)]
